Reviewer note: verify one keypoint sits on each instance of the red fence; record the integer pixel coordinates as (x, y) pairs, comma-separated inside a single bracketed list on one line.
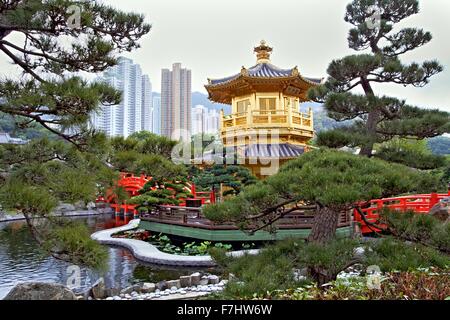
[(420, 203), (132, 184)]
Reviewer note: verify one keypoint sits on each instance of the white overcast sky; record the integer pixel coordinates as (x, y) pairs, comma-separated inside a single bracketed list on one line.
[(214, 38)]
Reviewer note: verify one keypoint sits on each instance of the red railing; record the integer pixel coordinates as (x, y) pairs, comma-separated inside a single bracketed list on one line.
[(419, 203), (133, 184)]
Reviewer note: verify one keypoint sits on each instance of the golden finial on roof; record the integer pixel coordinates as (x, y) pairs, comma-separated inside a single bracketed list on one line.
[(263, 52), (295, 71), (244, 71)]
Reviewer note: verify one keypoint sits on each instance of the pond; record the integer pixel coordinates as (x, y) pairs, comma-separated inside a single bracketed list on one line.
[(22, 261)]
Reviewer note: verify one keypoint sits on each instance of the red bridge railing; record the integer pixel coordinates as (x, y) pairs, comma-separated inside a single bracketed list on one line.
[(419, 203), (133, 184)]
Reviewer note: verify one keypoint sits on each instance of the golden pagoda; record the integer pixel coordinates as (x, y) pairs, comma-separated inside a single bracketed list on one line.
[(265, 126)]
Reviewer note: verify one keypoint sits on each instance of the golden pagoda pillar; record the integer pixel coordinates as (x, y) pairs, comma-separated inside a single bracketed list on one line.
[(289, 111)]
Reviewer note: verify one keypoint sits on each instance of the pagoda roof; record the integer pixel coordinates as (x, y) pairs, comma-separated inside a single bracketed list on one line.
[(283, 150), (254, 151), (262, 77), (265, 71)]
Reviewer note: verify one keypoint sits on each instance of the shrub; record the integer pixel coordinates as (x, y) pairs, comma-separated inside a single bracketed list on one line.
[(390, 255)]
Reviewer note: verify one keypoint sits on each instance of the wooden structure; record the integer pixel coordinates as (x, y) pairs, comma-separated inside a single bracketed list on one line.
[(265, 127), (190, 223)]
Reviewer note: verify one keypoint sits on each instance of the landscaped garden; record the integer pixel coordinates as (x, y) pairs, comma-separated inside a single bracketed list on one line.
[(368, 196)]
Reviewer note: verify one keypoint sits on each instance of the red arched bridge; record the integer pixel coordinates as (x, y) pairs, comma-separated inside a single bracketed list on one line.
[(133, 184)]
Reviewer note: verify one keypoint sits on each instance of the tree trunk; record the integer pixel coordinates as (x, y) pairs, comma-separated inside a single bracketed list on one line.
[(371, 124), (324, 226), (323, 230), (371, 131)]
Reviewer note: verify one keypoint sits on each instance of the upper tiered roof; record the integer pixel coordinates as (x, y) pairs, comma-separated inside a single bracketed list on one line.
[(262, 77)]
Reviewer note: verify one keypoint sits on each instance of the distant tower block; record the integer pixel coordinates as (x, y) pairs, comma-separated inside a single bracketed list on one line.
[(265, 126)]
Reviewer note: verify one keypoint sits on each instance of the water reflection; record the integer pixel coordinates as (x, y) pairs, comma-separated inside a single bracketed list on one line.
[(21, 260)]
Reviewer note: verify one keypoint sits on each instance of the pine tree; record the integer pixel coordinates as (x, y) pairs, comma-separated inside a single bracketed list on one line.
[(330, 182), (59, 38), (378, 118), (53, 42)]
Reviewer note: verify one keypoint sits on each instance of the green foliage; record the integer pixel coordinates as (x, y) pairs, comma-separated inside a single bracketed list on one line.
[(165, 244), (422, 228), (376, 119), (270, 273), (271, 269), (229, 176), (411, 159), (394, 255), (145, 153), (432, 284), (72, 241), (40, 175), (163, 192)]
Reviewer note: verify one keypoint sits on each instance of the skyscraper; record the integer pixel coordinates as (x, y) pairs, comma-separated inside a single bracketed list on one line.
[(176, 103), (157, 115), (147, 104), (204, 120), (130, 115), (198, 119), (212, 121)]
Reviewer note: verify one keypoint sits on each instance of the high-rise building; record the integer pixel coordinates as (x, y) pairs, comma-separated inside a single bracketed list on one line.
[(176, 103), (204, 120), (147, 104), (198, 119), (130, 115), (212, 122), (156, 115)]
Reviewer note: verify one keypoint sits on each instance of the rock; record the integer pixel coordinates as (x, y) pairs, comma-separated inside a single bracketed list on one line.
[(98, 289), (185, 281), (40, 291), (148, 287), (183, 292), (112, 292), (109, 298), (213, 279), (162, 285), (65, 207), (441, 210), (231, 277), (91, 206), (222, 283), (130, 289), (204, 281), (174, 283), (195, 278), (359, 252)]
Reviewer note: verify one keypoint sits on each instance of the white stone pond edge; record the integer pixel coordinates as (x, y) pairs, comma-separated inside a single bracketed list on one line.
[(147, 252)]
